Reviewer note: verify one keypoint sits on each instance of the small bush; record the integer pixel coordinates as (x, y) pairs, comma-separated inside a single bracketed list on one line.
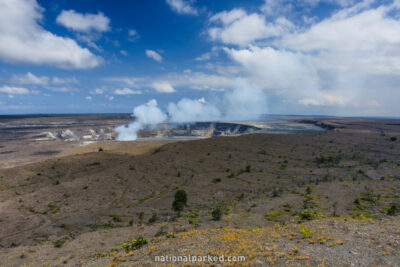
[(169, 235), (181, 196), (116, 217), (273, 214), (180, 201), (101, 149), (231, 175), (287, 207), (369, 196), (306, 232), (140, 216), (277, 192), (59, 243), (248, 168), (192, 214), (393, 210), (308, 214), (134, 244), (217, 213), (308, 190), (153, 218), (217, 180), (393, 138)]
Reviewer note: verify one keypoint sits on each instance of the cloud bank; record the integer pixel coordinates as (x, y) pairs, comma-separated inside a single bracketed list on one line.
[(24, 40)]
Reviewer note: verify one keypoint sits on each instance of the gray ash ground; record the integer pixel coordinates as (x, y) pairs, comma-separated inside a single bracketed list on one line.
[(31, 138), (328, 198)]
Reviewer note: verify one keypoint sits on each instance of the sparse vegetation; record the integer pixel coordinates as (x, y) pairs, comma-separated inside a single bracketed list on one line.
[(313, 195), (217, 213), (134, 244), (216, 180), (393, 209), (153, 218), (59, 243), (306, 232), (116, 217), (180, 201)]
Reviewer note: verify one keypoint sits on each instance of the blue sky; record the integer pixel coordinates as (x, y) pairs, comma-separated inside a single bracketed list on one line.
[(319, 57)]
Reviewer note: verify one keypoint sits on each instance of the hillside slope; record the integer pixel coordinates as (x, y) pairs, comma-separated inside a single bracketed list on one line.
[(324, 198)]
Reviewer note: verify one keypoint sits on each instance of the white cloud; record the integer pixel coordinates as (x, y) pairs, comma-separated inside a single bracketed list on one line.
[(205, 56), (132, 32), (97, 91), (275, 69), (88, 98), (133, 35), (67, 80), (154, 55), (123, 52), (131, 81), (64, 89), (83, 22), (191, 80), (366, 42), (202, 100), (239, 28), (325, 99), (24, 40), (273, 8), (163, 87), (14, 90), (31, 79), (127, 91), (182, 6)]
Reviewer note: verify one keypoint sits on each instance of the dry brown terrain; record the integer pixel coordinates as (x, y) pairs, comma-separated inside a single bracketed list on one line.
[(329, 199)]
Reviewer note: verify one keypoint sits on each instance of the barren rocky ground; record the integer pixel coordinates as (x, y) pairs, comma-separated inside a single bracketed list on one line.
[(329, 199)]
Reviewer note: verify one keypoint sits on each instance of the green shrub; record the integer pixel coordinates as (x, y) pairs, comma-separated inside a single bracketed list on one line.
[(231, 175), (393, 210), (116, 217), (134, 244), (248, 168), (59, 243), (306, 232), (153, 218), (273, 214), (217, 180), (192, 214), (217, 213), (308, 190), (180, 201), (308, 214), (277, 192), (287, 207)]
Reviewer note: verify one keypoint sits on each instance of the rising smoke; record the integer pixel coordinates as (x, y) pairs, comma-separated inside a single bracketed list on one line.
[(243, 102)]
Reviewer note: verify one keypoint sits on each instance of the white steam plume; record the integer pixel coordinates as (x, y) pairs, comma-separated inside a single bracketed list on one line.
[(189, 110), (146, 114), (244, 102)]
